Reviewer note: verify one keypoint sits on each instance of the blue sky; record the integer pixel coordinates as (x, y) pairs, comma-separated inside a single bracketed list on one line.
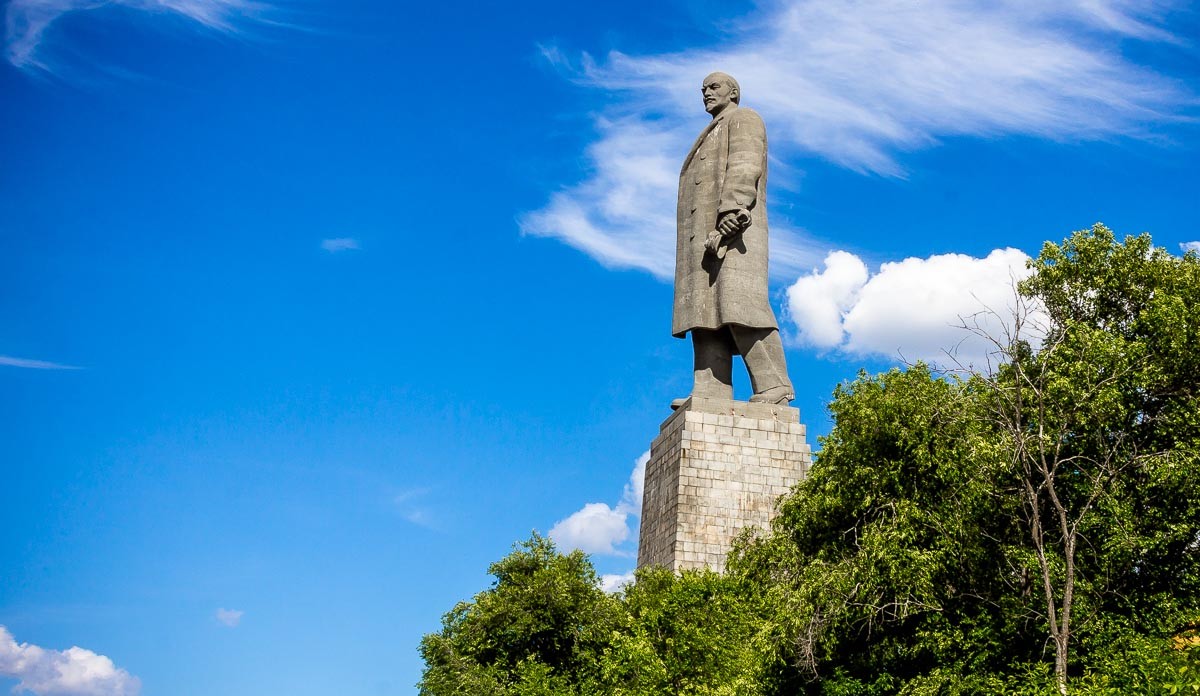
[(309, 310)]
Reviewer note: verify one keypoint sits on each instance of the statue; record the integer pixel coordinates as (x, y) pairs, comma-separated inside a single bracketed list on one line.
[(721, 253)]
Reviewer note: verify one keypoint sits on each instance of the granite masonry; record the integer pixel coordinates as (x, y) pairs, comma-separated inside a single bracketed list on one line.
[(716, 468)]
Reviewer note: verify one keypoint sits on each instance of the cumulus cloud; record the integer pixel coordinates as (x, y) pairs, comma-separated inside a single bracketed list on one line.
[(857, 84), (1190, 246), (818, 301), (9, 361), (599, 528), (27, 22), (339, 244), (71, 672), (595, 528), (230, 617), (911, 309)]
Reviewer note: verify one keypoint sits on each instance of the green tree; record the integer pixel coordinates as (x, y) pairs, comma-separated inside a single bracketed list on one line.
[(1030, 530), (545, 627), (886, 564), (1101, 424), (951, 527), (540, 629), (695, 633)]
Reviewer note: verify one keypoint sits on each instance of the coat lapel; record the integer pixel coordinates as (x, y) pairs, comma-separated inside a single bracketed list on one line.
[(700, 139)]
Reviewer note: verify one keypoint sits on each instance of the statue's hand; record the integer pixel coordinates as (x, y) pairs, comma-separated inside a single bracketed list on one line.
[(713, 241), (733, 222)]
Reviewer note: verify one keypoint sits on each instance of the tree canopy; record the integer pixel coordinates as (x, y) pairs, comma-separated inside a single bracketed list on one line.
[(1029, 529), (546, 627)]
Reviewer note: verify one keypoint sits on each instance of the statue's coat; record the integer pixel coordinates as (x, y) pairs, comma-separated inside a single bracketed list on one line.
[(725, 170)]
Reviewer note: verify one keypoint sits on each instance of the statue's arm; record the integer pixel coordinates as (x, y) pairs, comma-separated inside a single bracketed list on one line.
[(747, 152)]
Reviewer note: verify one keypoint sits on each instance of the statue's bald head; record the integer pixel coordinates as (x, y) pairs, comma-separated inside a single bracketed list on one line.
[(726, 78), (720, 90)]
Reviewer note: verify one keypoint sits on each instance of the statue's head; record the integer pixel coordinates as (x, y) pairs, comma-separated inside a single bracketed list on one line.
[(720, 90)]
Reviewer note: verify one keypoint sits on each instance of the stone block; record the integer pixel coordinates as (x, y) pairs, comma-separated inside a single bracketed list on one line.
[(716, 468)]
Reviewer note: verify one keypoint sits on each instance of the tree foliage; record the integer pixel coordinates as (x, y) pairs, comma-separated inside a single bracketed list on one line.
[(546, 627), (538, 630), (1032, 529), (1101, 414), (887, 561)]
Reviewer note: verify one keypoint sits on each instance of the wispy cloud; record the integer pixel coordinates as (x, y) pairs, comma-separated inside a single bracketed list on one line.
[(230, 617), (71, 672), (9, 361), (27, 23), (409, 504), (598, 528), (857, 84), (1190, 246), (339, 244)]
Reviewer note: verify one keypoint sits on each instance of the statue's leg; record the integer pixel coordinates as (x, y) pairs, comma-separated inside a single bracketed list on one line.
[(762, 350), (714, 363)]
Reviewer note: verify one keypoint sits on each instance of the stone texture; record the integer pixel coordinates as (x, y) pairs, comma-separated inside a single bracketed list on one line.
[(721, 291), (716, 468), (722, 194)]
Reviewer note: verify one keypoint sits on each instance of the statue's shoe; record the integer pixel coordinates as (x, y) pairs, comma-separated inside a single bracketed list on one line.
[(779, 396), (677, 403)]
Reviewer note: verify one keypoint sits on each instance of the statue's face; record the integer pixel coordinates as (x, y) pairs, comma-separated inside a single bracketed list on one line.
[(718, 93)]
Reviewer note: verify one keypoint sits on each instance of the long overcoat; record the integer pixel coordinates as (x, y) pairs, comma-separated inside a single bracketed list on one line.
[(725, 170)]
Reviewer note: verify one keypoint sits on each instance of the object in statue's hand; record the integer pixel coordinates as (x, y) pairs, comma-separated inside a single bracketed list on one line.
[(713, 242), (731, 224)]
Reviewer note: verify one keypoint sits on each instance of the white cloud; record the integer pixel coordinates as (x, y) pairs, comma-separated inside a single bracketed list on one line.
[(409, 503), (1190, 246), (9, 361), (598, 528), (339, 244), (230, 617), (26, 22), (624, 216), (418, 517), (818, 301), (71, 672), (913, 308), (857, 84), (614, 582), (631, 497)]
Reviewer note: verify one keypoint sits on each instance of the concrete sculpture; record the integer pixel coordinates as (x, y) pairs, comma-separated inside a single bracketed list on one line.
[(721, 253)]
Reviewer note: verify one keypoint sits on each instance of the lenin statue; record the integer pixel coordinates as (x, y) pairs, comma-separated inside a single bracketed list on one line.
[(721, 253)]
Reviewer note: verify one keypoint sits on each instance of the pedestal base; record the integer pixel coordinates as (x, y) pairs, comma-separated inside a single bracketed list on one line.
[(716, 468)]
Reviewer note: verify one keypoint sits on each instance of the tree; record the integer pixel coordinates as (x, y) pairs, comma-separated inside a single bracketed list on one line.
[(1032, 529), (885, 567), (951, 527), (694, 633), (546, 628), (540, 629), (1104, 411)]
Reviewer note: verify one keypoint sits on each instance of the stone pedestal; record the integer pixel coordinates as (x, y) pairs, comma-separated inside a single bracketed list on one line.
[(716, 468)]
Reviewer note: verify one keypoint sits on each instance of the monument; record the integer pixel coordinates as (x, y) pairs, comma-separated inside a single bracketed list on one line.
[(719, 466)]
